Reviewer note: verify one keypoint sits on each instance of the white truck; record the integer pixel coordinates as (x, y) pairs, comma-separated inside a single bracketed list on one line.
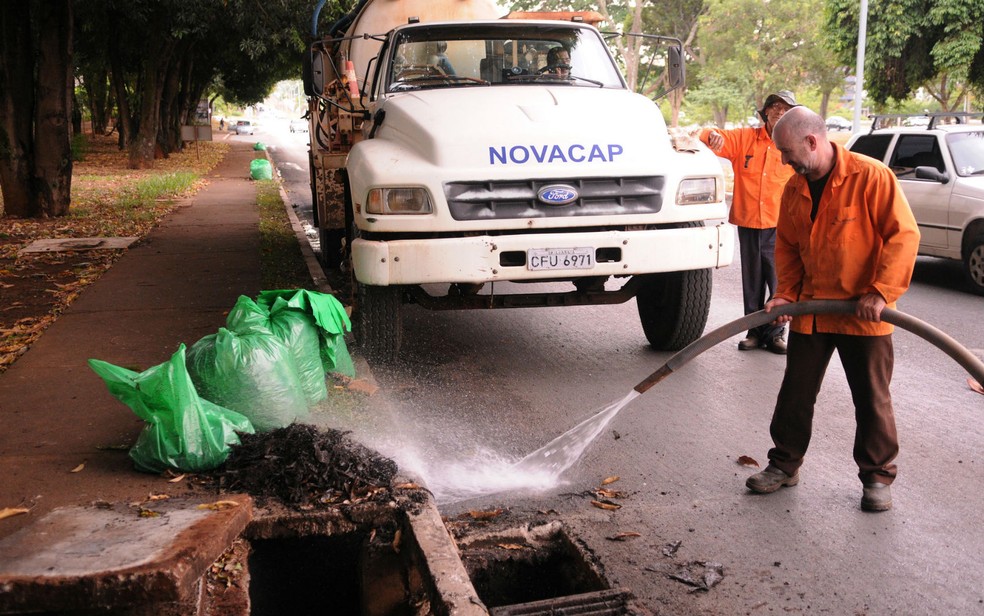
[(455, 155)]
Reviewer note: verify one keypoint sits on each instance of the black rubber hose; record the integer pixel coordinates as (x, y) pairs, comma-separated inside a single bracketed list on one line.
[(924, 330)]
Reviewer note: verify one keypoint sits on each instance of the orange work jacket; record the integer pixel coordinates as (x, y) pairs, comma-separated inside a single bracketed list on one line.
[(759, 175), (864, 240)]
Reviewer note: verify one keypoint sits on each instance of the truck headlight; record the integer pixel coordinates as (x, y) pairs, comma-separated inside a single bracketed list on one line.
[(398, 201), (696, 191)]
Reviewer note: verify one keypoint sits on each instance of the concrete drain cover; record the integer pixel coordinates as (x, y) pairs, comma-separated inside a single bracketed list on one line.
[(78, 243), (600, 603)]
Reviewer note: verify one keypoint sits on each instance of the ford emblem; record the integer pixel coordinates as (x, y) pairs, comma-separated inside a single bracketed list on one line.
[(557, 194)]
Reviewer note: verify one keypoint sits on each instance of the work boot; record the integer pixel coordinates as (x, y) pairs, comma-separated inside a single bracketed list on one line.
[(770, 480), (876, 497), (749, 343), (777, 345)]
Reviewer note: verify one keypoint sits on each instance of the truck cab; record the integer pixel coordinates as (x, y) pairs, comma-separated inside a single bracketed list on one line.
[(494, 153)]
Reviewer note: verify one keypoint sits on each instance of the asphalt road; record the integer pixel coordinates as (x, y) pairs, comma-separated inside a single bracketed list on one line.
[(477, 390)]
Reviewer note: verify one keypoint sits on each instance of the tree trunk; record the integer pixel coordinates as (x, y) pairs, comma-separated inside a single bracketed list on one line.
[(117, 80), (144, 143), (95, 88), (16, 110), (52, 136)]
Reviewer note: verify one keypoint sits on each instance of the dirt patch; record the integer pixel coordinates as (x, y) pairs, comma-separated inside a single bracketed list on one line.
[(306, 468), (37, 288)]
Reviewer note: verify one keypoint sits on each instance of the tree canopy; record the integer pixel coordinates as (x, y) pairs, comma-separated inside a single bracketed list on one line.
[(912, 44)]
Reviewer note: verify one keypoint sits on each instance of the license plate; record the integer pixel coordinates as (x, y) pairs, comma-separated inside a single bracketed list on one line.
[(560, 258)]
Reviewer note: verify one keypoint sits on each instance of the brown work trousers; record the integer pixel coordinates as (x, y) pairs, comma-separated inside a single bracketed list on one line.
[(868, 362)]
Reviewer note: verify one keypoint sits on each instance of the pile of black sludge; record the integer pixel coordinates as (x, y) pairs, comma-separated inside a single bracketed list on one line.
[(304, 467)]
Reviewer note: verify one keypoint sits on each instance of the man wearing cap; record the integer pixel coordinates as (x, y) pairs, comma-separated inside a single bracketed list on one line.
[(759, 179)]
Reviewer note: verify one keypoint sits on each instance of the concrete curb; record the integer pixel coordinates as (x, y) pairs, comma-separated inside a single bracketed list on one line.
[(310, 259)]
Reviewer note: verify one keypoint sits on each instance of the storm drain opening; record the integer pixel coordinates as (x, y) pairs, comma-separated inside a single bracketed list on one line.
[(363, 561), (539, 569), (305, 575)]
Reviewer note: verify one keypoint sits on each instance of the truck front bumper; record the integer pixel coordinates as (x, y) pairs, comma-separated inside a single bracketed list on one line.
[(487, 258)]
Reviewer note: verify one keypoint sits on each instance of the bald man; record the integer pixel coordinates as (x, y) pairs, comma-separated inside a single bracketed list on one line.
[(845, 232)]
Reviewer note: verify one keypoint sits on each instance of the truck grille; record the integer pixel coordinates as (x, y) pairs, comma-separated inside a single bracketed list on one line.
[(518, 198)]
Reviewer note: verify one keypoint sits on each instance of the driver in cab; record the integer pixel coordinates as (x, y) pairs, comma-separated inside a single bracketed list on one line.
[(558, 63)]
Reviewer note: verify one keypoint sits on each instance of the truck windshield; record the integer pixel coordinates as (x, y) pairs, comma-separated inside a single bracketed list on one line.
[(508, 53)]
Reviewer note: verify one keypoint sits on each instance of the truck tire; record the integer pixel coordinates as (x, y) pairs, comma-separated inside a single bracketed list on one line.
[(673, 307), (378, 321), (974, 263)]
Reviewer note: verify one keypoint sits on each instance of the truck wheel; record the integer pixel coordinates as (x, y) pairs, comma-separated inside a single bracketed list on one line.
[(378, 321), (974, 264), (673, 307)]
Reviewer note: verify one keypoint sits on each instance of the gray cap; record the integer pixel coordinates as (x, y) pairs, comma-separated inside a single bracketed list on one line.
[(782, 95)]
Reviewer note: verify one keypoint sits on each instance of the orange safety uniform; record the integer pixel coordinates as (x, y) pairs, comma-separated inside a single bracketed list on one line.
[(864, 240), (759, 175)]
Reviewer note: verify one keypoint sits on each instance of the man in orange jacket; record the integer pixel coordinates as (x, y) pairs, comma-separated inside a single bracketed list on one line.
[(845, 231), (759, 178)]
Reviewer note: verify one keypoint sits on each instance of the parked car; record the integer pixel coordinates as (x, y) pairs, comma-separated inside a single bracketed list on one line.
[(940, 168), (839, 123), (245, 127), (298, 126)]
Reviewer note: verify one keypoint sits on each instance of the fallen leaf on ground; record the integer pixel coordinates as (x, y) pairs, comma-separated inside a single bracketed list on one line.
[(219, 505), (176, 479), (148, 513), (407, 486), (603, 493), (608, 480), (975, 386), (485, 515), (397, 538), (510, 546), (9, 512), (671, 548), (747, 461), (623, 536), (157, 497), (78, 468), (547, 511), (701, 575), (607, 505)]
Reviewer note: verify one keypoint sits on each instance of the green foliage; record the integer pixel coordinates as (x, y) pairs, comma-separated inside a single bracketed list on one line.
[(750, 48), (912, 44)]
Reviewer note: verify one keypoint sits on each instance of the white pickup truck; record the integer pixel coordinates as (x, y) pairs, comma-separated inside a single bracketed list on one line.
[(495, 152)]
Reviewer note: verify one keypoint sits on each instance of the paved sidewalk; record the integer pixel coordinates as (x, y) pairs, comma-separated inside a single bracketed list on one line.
[(175, 286)]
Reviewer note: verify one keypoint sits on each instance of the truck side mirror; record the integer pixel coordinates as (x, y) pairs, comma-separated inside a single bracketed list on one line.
[(677, 71), (320, 68)]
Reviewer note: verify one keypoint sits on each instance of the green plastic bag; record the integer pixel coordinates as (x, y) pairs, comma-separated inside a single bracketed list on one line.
[(296, 329), (260, 169), (330, 317), (259, 146), (252, 373), (183, 431)]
